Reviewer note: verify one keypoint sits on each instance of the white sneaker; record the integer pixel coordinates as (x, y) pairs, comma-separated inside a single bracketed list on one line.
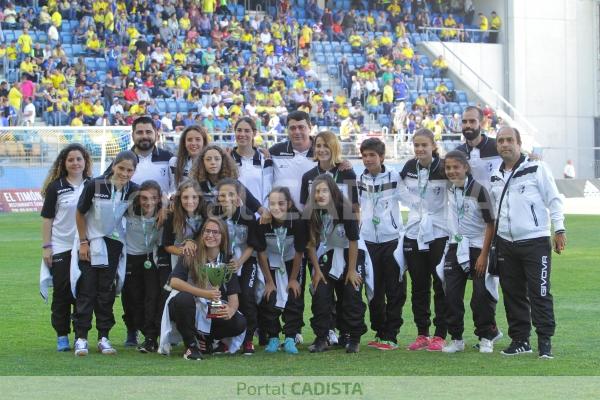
[(298, 339), (486, 346), (454, 346), (81, 347), (105, 347), (332, 338)]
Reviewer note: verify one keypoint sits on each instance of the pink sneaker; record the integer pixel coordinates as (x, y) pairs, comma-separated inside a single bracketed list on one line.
[(436, 344), (420, 343)]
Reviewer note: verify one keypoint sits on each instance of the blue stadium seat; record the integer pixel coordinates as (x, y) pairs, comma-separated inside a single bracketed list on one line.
[(171, 105), (67, 37), (77, 49), (101, 64), (346, 48), (332, 70), (317, 47), (90, 63), (383, 120), (336, 46), (449, 83), (359, 59), (429, 84), (461, 96), (327, 47), (413, 95), (320, 58), (182, 106), (427, 72), (161, 105), (456, 109)]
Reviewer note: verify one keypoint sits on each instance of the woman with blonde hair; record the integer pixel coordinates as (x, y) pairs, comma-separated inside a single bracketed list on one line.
[(328, 154)]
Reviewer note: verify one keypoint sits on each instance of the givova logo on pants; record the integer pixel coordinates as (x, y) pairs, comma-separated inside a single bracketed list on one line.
[(544, 277)]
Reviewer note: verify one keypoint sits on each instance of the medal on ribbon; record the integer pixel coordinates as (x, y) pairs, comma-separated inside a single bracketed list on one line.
[(327, 222), (280, 235), (148, 238)]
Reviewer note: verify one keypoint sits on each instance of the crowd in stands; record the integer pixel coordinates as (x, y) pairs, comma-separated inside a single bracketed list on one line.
[(210, 62)]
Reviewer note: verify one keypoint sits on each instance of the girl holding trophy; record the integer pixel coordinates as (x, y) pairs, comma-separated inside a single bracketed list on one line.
[(285, 238), (243, 241), (201, 282)]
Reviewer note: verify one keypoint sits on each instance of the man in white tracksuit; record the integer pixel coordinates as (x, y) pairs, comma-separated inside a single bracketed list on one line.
[(530, 206)]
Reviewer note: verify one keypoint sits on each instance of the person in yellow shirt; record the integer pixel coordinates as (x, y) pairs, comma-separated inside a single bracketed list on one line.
[(93, 45), (247, 38), (495, 25), (208, 7), (183, 84), (12, 51), (373, 106), (300, 83), (56, 19), (269, 49), (307, 34), (421, 102), (77, 120), (441, 88), (356, 42), (57, 78), (184, 22), (98, 109), (394, 9), (28, 66), (440, 67), (179, 56), (343, 111), (449, 31), (140, 61), (407, 51), (483, 27), (15, 97), (388, 98), (109, 21), (25, 41), (385, 41)]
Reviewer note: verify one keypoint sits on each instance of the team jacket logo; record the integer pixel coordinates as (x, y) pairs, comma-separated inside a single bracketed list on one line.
[(544, 277)]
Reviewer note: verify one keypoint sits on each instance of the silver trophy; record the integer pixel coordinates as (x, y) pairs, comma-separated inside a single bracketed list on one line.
[(216, 274)]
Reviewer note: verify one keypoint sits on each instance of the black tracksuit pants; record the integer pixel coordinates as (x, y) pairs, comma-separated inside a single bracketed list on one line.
[(96, 291), (292, 314), (63, 303), (421, 267), (349, 305), (248, 305), (386, 316), (524, 267), (182, 310), (163, 261), (140, 296), (483, 304)]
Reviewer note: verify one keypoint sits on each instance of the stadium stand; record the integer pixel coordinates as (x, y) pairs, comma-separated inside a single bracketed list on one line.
[(106, 62)]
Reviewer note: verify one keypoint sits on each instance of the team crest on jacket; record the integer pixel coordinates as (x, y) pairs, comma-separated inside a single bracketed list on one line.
[(341, 231)]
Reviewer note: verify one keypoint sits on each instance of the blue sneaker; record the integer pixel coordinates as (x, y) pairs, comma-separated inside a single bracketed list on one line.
[(289, 346), (62, 343), (273, 345)]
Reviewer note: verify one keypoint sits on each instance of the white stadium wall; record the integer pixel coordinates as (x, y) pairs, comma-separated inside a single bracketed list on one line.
[(552, 58)]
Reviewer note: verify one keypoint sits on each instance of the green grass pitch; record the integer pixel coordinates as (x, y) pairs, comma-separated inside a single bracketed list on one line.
[(28, 341)]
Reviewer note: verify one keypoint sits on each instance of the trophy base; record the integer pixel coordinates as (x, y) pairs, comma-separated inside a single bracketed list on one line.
[(215, 310)]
